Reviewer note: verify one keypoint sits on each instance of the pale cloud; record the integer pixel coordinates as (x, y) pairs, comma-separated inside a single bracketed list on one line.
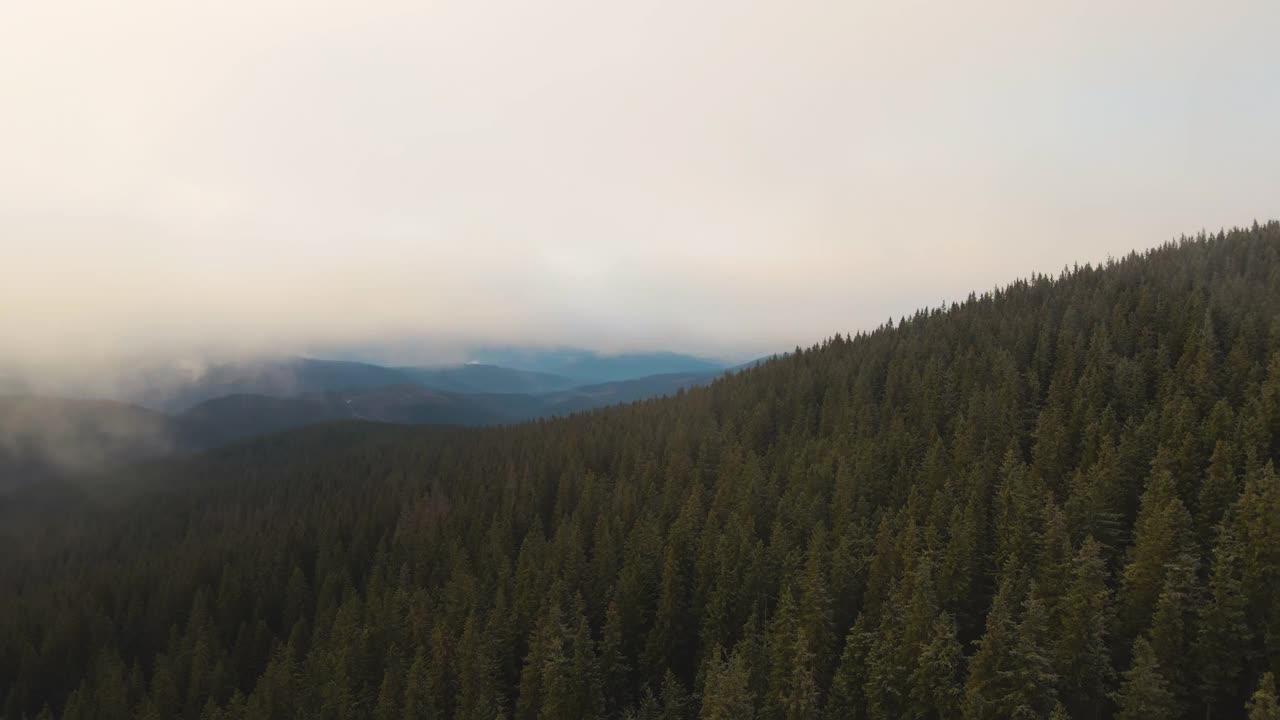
[(722, 177)]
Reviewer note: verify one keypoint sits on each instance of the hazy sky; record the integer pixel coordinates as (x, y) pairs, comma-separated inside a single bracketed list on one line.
[(724, 177)]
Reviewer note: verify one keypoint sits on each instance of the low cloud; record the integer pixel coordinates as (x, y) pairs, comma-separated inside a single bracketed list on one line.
[(402, 181), (42, 437)]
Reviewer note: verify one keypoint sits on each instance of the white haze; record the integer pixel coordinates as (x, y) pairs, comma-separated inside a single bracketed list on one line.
[(184, 181)]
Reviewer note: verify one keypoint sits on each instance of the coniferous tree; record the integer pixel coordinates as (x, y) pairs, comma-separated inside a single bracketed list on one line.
[(846, 699), (1032, 675), (1082, 658), (1257, 524), (989, 691), (1144, 692), (1222, 636), (1264, 705), (675, 698), (1218, 491), (1172, 627), (934, 685), (1160, 534), (727, 694), (419, 695)]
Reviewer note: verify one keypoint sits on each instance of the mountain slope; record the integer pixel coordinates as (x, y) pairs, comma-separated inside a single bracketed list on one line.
[(589, 397), (175, 391), (42, 438), (587, 367), (480, 378), (613, 368), (222, 420), (1058, 498), (233, 417)]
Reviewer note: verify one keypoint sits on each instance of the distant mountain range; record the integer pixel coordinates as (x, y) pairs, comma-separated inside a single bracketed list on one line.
[(171, 412), (588, 366), (483, 378), (177, 389), (237, 416), (173, 390)]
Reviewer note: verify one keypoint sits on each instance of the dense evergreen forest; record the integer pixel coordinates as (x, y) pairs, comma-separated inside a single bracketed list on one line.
[(1054, 500)]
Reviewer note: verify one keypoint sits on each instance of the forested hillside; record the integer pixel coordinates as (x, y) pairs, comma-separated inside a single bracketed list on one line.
[(44, 439), (1057, 499)]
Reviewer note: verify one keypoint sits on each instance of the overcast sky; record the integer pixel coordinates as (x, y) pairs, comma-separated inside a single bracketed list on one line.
[(724, 177)]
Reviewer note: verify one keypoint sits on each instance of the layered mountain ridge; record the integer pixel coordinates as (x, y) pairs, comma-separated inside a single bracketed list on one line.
[(58, 437)]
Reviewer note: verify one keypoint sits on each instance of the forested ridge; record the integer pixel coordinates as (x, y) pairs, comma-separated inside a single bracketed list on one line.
[(1056, 499)]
